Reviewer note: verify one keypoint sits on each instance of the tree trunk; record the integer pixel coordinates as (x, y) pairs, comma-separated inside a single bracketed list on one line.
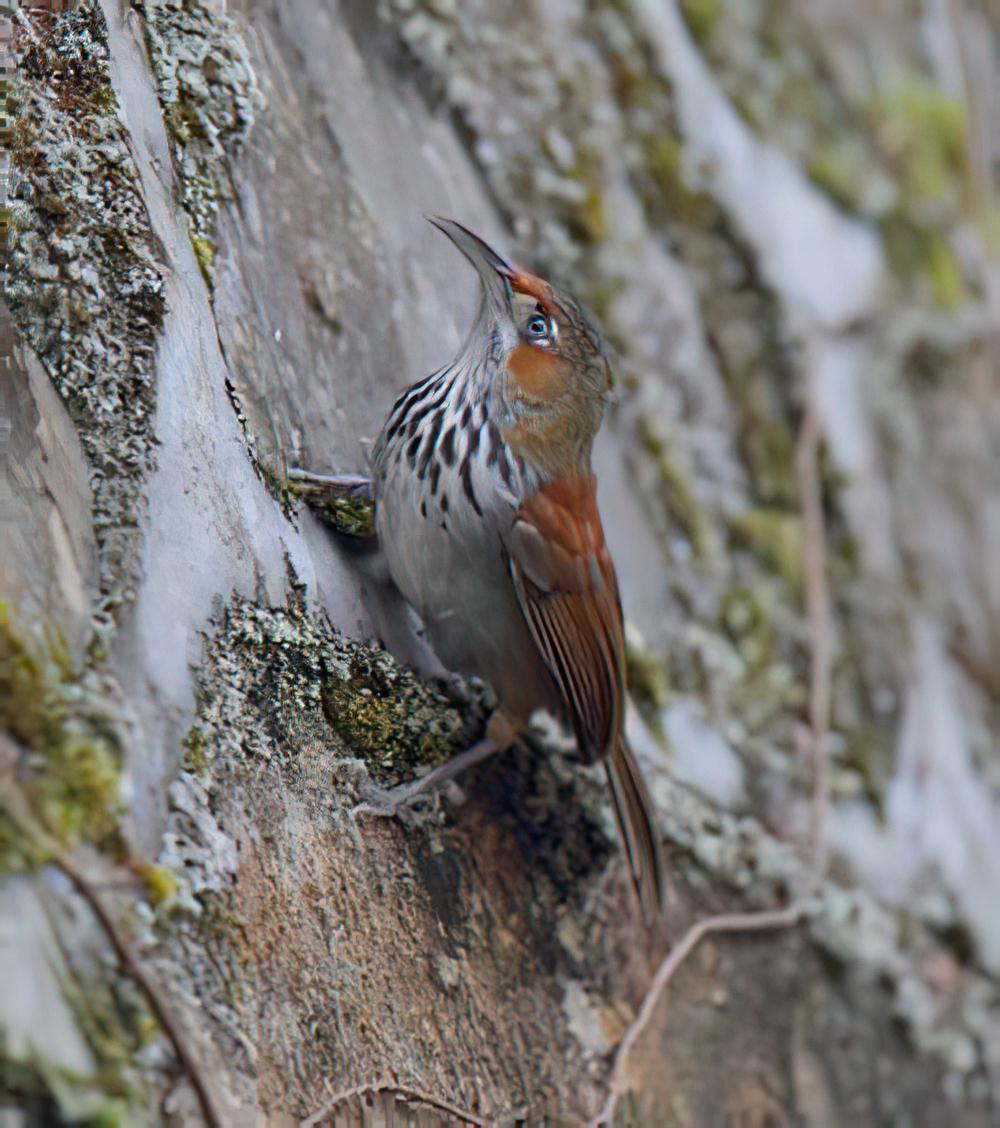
[(219, 269)]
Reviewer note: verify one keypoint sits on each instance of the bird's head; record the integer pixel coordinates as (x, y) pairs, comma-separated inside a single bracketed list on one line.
[(548, 353)]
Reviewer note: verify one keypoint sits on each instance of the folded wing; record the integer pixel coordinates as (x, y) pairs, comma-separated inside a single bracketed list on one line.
[(566, 585)]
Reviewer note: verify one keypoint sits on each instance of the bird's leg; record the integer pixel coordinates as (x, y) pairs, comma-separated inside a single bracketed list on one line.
[(500, 734), (344, 501)]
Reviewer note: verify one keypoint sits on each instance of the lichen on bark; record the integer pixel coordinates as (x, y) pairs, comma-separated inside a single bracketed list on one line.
[(209, 95), (83, 281), (323, 690), (261, 835)]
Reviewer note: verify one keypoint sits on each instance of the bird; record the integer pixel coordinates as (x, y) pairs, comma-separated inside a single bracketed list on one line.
[(486, 513)]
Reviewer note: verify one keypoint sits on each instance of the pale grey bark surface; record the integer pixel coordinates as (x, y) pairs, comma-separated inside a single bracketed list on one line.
[(220, 268)]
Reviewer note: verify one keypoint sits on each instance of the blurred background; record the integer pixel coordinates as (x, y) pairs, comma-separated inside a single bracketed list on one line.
[(784, 215)]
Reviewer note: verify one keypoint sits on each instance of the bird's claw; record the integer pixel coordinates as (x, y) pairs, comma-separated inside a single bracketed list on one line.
[(466, 693), (403, 802)]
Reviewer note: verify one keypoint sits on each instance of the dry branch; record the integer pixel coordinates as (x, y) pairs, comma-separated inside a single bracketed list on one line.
[(390, 1091)]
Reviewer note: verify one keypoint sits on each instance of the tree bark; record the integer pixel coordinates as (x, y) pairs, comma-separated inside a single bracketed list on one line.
[(218, 269)]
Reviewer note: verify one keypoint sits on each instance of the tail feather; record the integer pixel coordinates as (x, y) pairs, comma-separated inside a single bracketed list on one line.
[(637, 826)]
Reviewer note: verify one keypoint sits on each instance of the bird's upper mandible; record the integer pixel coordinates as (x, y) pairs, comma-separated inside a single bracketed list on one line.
[(546, 357)]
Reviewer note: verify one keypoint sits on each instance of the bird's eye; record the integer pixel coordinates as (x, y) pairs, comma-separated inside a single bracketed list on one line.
[(537, 327)]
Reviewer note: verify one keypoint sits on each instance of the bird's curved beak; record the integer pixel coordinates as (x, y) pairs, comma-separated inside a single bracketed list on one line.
[(493, 269)]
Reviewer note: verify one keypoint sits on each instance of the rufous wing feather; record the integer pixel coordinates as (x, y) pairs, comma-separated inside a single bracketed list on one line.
[(637, 827), (568, 592)]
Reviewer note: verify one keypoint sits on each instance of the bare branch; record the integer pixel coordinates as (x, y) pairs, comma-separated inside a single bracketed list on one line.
[(395, 1092), (820, 617), (724, 922)]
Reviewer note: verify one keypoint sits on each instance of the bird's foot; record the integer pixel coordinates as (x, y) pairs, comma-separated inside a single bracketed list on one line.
[(413, 803), (402, 801), (468, 693)]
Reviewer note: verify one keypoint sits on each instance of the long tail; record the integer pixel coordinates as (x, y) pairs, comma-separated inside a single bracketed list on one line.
[(637, 827)]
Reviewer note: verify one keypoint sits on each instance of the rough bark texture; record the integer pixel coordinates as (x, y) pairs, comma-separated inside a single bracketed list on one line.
[(219, 268)]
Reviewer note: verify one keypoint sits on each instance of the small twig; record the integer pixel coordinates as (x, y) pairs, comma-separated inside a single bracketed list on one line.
[(820, 616), (977, 155), (724, 922), (18, 809), (389, 1088), (980, 126)]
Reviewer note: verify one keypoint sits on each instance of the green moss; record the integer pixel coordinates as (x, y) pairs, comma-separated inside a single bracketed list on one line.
[(767, 444), (635, 82), (354, 517), (115, 1019), (162, 886), (869, 751), (195, 748), (56, 1096), (104, 100), (743, 617), (673, 199), (387, 720), (744, 329), (204, 253), (114, 1114), (905, 248), (66, 790), (588, 223), (838, 177), (945, 272), (916, 255), (991, 229), (774, 535), (71, 768), (646, 101), (675, 491), (586, 219), (306, 686), (924, 132), (284, 492), (702, 17), (182, 122)]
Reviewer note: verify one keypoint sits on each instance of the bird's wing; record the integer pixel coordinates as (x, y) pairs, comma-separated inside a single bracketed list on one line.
[(566, 585), (568, 592)]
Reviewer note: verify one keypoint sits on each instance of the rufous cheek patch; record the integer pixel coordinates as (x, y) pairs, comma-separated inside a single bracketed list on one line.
[(539, 374)]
